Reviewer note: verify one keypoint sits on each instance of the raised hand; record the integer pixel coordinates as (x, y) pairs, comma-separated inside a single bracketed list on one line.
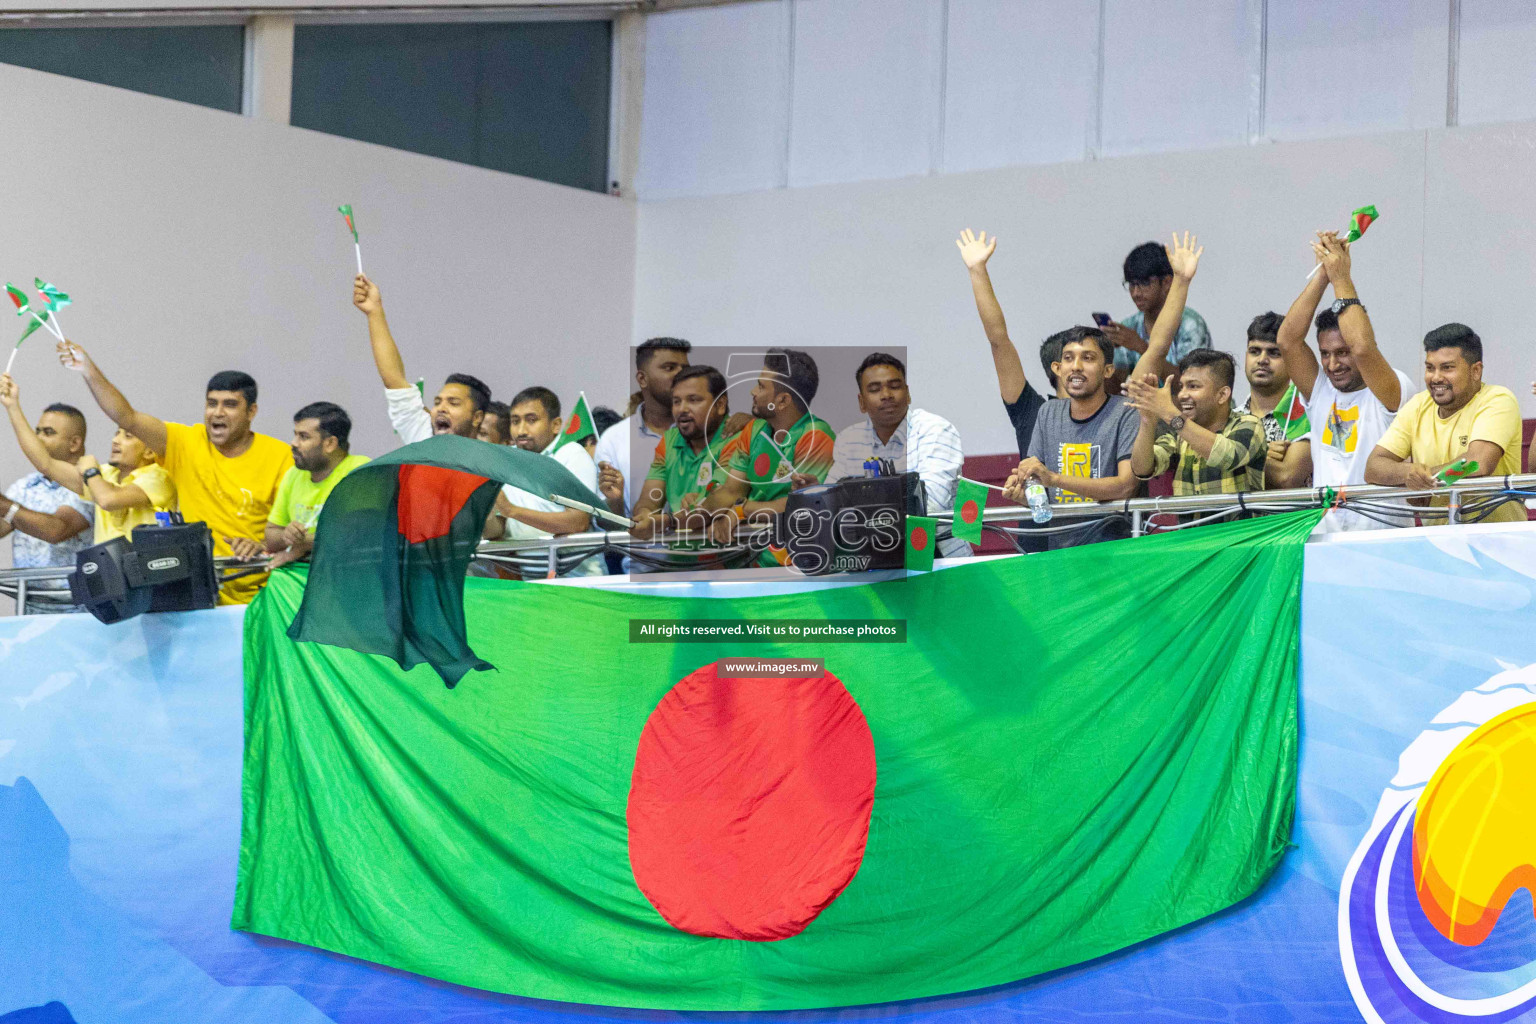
[(1333, 253), (87, 461), (975, 249), (1184, 256), (1151, 401), (365, 295), (72, 356), (10, 394)]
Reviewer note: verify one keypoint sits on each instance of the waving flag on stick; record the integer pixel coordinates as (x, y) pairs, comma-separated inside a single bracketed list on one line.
[(54, 299), (578, 426), (24, 308), (1359, 219), (346, 212), (1292, 411)]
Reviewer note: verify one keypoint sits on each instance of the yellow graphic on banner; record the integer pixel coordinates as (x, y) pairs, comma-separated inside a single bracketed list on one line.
[(1076, 460), (1342, 429)]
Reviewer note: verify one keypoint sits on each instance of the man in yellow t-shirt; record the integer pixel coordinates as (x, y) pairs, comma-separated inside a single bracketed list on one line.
[(1457, 417), (321, 459), (226, 475), (128, 491)]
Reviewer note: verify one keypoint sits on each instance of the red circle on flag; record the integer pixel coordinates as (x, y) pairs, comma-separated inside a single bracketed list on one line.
[(760, 464), (969, 511), (919, 539), (575, 423), (750, 801)]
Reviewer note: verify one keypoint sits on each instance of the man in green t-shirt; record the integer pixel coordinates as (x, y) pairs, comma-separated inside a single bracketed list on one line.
[(321, 460), (683, 471), (782, 447)]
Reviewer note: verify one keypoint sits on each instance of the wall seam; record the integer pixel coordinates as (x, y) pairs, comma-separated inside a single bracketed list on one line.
[(936, 147), (1452, 62), (789, 90), (1095, 145)]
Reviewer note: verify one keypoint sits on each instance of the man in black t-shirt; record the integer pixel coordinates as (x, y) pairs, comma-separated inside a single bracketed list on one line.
[(1021, 400)]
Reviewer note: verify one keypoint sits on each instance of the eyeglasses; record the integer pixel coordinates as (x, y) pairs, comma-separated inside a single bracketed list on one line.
[(1143, 283)]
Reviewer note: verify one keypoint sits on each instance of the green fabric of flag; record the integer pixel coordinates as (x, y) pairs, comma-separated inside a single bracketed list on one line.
[(346, 213), (395, 538), (52, 297), (970, 499), (922, 539), (23, 303), (32, 325), (578, 424), (1292, 411), (1359, 220), (1009, 791)]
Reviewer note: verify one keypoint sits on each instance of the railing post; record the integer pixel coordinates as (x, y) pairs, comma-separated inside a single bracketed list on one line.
[(1136, 523), (21, 596), (1453, 508)]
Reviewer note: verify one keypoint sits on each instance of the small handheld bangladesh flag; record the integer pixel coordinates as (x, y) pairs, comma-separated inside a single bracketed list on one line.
[(23, 304), (1292, 413), (578, 427), (970, 499), (346, 213), (1359, 220), (921, 540), (52, 297), (1456, 470)]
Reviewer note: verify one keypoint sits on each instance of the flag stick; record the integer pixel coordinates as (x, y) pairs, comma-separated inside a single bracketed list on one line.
[(357, 248), (57, 323), (11, 360), (980, 483)]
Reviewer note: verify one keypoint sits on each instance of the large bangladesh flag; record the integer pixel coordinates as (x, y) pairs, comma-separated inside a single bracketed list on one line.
[(395, 539), (1069, 754)]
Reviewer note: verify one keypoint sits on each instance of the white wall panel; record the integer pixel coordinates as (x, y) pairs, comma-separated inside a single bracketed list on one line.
[(867, 86), (1495, 72), (1342, 67), (1021, 82), (716, 100), (208, 241), (1178, 74), (1480, 245)]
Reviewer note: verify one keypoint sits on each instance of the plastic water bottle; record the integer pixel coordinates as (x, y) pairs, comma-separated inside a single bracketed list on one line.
[(1039, 502)]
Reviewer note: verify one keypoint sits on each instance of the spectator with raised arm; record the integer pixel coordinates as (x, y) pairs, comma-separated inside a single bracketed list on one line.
[(915, 440), (322, 458), (1288, 464), (1353, 393), (459, 404), (127, 491), (1149, 278), (1020, 399), (1457, 417), (226, 474), (1213, 448), (47, 522)]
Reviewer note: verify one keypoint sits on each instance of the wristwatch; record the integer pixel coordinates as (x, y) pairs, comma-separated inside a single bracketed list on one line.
[(1340, 305), (1176, 424), (93, 471)]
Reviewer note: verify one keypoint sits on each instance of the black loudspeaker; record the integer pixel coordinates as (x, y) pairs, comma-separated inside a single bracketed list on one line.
[(100, 582), (165, 569), (176, 563), (855, 525)]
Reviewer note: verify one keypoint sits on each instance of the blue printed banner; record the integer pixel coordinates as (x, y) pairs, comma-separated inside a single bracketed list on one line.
[(120, 752)]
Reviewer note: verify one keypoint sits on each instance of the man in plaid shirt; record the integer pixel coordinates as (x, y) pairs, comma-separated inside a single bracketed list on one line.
[(1216, 449)]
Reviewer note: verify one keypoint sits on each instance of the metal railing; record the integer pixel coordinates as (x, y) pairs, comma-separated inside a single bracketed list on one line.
[(1466, 501)]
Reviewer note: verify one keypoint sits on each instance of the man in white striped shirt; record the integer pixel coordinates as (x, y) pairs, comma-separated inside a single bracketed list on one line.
[(915, 440)]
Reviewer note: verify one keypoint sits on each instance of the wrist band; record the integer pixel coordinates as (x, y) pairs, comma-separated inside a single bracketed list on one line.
[(10, 514)]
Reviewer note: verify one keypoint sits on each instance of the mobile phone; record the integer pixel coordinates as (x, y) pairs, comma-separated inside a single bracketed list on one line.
[(1103, 319)]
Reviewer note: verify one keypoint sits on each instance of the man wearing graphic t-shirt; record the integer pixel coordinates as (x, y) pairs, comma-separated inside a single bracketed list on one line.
[(1351, 402)]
